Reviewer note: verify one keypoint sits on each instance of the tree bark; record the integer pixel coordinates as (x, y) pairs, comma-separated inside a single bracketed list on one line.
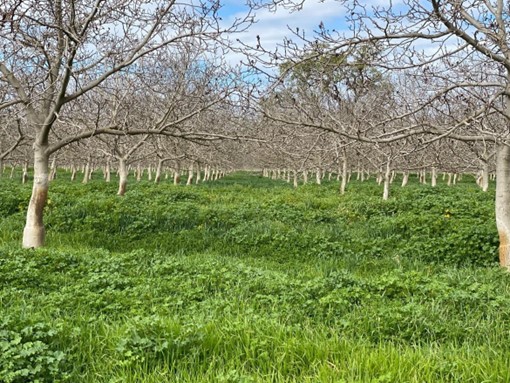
[(33, 233)]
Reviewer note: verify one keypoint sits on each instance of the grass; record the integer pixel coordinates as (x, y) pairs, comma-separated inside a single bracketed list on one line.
[(248, 280)]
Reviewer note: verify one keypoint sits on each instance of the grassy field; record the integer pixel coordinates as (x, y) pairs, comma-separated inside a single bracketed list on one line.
[(248, 280)]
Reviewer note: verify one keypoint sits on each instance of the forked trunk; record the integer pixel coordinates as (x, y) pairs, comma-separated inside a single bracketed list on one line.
[(33, 233), (123, 175), (503, 203)]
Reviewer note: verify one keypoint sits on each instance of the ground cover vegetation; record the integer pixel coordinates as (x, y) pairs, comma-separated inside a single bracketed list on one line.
[(247, 279)]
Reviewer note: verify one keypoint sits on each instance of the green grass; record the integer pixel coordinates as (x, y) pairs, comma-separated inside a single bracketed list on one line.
[(248, 280)]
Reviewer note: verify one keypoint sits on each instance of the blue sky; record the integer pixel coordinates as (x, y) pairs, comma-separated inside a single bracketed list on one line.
[(272, 27)]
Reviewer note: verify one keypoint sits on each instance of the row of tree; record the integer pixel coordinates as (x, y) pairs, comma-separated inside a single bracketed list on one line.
[(413, 86)]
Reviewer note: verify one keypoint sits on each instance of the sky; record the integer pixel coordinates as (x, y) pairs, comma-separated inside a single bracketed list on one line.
[(273, 27)]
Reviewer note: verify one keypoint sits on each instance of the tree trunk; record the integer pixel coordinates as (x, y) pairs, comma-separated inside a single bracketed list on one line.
[(86, 171), (177, 175), (485, 176), (405, 178), (199, 175), (295, 178), (53, 169), (503, 203), (24, 176), (33, 233), (318, 176), (190, 176), (387, 179), (123, 175), (305, 177), (108, 175), (433, 180), (157, 178), (343, 184)]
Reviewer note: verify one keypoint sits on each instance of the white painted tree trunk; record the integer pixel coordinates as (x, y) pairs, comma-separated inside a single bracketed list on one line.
[(295, 178), (405, 178), (433, 179), (503, 203), (343, 184), (157, 177), (73, 172), (199, 174), (86, 171), (485, 176), (33, 233), (305, 177), (387, 179), (123, 175), (108, 171), (177, 176), (138, 173), (53, 169), (190, 176), (24, 176), (449, 181), (318, 176)]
